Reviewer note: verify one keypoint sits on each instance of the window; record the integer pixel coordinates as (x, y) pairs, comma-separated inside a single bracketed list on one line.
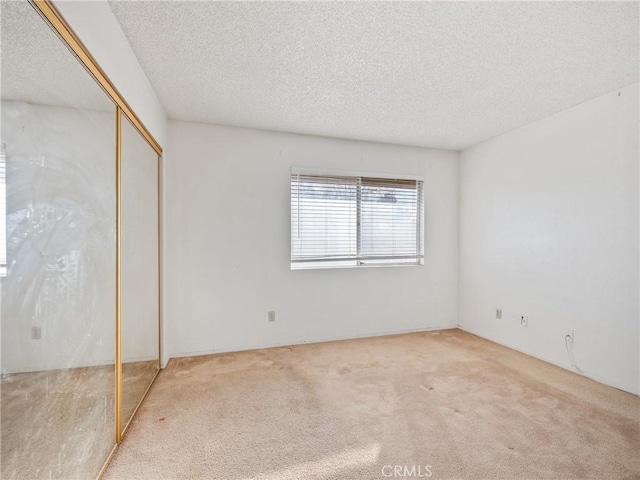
[(343, 221), (3, 213)]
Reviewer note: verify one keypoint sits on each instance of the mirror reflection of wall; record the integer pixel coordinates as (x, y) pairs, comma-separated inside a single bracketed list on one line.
[(57, 313), (140, 268)]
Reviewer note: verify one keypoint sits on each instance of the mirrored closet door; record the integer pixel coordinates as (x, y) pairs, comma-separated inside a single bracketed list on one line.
[(140, 268), (57, 316), (79, 253)]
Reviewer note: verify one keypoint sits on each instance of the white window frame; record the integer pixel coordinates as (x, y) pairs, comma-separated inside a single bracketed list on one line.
[(321, 264)]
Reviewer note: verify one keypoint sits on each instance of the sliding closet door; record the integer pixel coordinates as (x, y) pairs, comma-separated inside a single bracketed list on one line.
[(58, 286), (140, 268)]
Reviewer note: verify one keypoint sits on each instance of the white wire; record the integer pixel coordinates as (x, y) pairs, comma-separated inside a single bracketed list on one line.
[(568, 339)]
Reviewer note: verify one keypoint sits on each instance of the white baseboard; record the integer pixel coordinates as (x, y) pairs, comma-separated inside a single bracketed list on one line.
[(594, 377), (241, 348)]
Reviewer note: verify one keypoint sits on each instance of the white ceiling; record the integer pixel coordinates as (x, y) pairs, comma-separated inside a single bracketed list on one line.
[(434, 74), (38, 68)]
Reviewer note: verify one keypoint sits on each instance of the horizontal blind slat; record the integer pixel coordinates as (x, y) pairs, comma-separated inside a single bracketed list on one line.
[(3, 212), (325, 226)]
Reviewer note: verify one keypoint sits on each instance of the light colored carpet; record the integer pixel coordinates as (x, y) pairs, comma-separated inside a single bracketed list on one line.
[(378, 407)]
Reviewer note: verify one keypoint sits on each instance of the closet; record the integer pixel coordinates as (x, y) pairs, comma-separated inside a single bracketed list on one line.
[(80, 303)]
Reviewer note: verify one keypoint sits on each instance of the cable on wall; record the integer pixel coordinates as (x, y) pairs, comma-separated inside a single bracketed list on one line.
[(568, 343)]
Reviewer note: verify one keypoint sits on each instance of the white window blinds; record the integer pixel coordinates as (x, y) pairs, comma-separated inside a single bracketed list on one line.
[(341, 221), (3, 212)]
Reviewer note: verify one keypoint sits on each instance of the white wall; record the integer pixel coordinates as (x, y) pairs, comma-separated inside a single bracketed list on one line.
[(549, 228), (228, 237)]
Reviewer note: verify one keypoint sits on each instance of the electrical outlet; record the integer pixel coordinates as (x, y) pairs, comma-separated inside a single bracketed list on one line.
[(499, 313), (569, 335), (36, 333), (524, 320), (272, 316)]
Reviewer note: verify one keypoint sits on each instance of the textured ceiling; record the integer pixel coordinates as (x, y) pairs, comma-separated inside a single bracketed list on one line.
[(38, 68), (432, 74)]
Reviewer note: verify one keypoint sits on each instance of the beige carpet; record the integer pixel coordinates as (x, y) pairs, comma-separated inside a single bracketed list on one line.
[(445, 403)]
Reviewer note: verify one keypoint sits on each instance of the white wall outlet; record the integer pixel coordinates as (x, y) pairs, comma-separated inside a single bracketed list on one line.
[(524, 320), (36, 333), (498, 313), (272, 316)]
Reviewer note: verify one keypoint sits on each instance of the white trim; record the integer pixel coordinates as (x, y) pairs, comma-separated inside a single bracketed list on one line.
[(350, 173), (298, 342), (318, 266), (596, 378)]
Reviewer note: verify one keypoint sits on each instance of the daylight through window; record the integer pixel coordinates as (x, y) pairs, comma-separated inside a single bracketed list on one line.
[(3, 212), (343, 221)]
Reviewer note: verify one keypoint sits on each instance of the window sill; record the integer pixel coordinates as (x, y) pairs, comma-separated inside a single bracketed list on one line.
[(363, 265)]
